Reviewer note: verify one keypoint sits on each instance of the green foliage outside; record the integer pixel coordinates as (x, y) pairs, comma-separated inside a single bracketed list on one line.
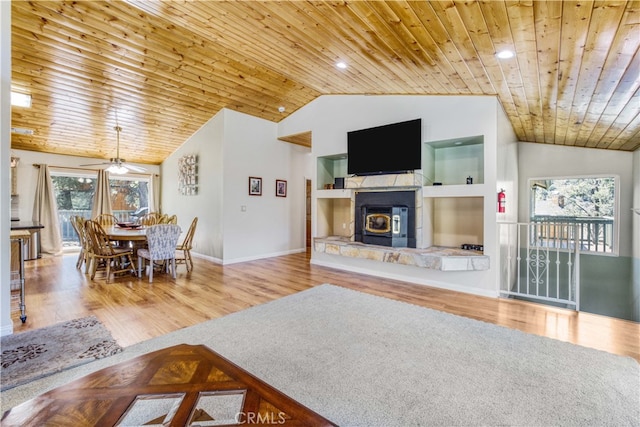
[(73, 193), (76, 193), (128, 195), (583, 197)]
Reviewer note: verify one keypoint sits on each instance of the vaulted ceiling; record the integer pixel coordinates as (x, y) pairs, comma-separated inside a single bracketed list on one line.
[(166, 67)]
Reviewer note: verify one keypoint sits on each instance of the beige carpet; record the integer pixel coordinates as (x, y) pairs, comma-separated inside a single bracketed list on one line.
[(362, 360), (27, 356)]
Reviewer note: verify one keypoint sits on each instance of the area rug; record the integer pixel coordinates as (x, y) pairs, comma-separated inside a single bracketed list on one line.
[(30, 355), (363, 360)]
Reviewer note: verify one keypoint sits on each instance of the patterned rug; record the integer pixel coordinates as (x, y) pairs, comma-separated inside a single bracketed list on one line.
[(30, 355)]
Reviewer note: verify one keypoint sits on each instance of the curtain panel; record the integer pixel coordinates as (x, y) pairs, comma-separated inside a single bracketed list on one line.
[(102, 196), (154, 193), (45, 212)]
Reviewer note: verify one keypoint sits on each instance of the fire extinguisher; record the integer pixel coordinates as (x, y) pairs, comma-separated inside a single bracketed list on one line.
[(501, 201)]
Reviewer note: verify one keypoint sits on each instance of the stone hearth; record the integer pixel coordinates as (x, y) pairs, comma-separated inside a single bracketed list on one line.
[(434, 258)]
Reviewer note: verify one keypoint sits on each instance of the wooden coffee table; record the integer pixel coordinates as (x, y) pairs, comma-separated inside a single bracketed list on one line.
[(184, 385)]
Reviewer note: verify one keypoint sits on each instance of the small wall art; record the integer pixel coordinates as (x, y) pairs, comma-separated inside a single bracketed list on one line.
[(188, 175), (281, 188), (255, 186)]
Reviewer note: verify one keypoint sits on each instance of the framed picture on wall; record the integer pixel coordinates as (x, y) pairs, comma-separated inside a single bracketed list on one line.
[(255, 186), (281, 188)]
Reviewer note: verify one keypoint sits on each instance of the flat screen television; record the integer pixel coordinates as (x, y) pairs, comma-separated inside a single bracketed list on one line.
[(393, 148)]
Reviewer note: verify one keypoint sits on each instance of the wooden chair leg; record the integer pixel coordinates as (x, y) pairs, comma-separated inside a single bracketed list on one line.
[(94, 267), (132, 266), (80, 260), (109, 269)]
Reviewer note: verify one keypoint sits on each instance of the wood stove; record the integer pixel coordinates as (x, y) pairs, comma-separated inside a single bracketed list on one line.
[(385, 218), (385, 225)]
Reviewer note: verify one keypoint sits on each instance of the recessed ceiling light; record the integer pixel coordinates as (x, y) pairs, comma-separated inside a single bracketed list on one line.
[(505, 54), (341, 65), (281, 109)]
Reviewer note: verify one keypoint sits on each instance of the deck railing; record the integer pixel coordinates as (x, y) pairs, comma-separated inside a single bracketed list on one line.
[(592, 234), (69, 236)]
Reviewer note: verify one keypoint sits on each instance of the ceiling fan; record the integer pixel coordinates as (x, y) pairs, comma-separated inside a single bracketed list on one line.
[(116, 164)]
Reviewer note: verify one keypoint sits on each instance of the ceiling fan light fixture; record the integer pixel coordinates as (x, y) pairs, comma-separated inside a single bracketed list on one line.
[(117, 169)]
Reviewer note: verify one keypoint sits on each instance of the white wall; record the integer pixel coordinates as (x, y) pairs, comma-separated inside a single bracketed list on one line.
[(207, 145), (506, 169), (6, 326), (270, 225), (330, 117), (232, 225)]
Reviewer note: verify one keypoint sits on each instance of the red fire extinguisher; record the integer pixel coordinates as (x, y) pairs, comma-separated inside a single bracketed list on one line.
[(501, 201)]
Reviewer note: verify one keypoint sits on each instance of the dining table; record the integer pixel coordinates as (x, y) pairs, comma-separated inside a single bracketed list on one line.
[(133, 238), (126, 234)]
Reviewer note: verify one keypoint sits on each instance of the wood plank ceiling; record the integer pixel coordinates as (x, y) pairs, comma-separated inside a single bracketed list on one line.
[(169, 66)]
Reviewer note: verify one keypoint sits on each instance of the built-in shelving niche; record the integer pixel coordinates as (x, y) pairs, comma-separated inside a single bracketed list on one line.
[(329, 168), (454, 210), (454, 221), (452, 161), (334, 217)]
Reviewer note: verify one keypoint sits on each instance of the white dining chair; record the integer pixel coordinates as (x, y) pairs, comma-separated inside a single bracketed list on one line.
[(161, 246)]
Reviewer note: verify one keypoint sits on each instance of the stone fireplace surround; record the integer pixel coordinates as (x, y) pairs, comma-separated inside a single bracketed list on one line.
[(436, 258)]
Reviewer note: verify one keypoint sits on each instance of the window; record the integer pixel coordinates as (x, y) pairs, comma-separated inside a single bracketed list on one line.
[(128, 194), (74, 195), (583, 209)]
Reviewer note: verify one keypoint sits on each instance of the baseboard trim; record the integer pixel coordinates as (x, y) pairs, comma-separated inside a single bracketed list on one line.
[(246, 259), (6, 330), (263, 256)]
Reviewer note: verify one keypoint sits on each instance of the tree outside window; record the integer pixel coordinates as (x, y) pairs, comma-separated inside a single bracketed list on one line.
[(588, 203), (74, 193), (582, 197)]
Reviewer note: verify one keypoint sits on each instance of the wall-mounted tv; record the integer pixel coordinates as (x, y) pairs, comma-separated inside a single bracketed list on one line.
[(392, 148)]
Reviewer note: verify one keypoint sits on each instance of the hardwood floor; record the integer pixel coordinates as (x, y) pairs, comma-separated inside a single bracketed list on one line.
[(135, 310)]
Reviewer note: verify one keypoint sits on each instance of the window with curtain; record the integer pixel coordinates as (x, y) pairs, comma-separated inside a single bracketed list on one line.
[(75, 189)]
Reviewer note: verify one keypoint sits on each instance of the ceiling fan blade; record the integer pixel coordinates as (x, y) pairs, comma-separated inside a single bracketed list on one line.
[(134, 168), (97, 164)]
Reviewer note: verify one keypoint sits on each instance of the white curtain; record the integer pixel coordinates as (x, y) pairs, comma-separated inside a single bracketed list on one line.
[(45, 212), (154, 192), (102, 196)]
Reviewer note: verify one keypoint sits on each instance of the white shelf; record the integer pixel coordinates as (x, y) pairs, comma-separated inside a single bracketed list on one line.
[(334, 194), (463, 190)]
